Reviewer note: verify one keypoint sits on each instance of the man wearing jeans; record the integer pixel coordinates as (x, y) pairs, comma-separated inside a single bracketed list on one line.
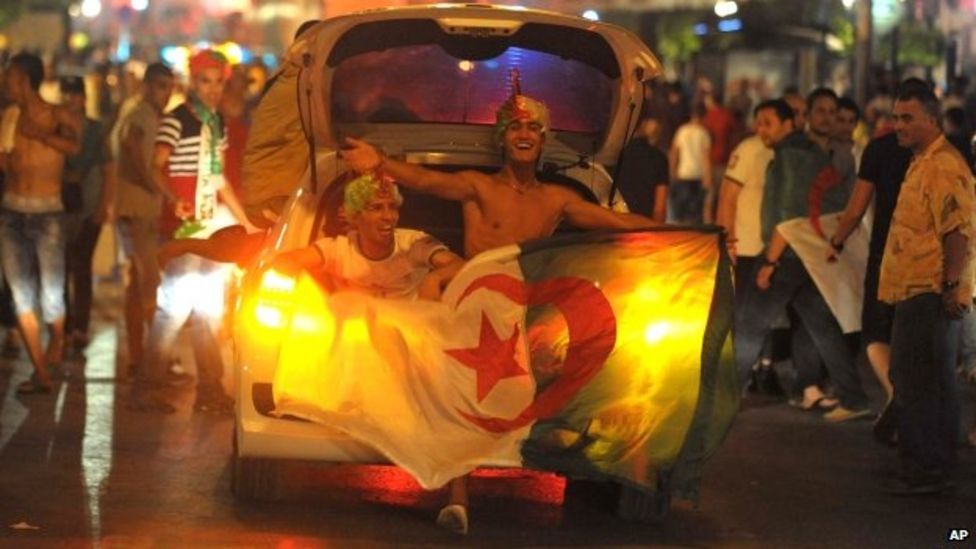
[(37, 136), (783, 281), (926, 273)]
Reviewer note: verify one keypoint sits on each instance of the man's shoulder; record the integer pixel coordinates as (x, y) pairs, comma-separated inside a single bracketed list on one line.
[(181, 113), (750, 145)]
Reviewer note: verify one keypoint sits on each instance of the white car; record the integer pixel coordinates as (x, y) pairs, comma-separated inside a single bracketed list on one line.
[(423, 83)]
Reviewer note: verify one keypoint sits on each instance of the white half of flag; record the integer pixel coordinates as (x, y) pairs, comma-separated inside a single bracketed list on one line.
[(841, 282)]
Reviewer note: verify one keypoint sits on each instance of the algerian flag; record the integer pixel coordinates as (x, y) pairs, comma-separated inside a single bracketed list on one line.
[(841, 282), (601, 355)]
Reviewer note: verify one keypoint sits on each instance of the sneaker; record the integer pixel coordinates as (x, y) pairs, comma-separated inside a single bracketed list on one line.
[(885, 429), (841, 413)]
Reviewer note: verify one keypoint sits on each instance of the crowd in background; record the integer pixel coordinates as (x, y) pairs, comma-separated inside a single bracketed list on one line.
[(751, 165)]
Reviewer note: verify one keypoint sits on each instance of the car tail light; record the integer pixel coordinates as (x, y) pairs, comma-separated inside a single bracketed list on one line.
[(274, 300)]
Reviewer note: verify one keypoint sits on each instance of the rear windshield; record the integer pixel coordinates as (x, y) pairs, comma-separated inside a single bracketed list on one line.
[(424, 83)]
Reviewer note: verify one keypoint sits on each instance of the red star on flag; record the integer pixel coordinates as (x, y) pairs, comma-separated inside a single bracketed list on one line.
[(493, 359)]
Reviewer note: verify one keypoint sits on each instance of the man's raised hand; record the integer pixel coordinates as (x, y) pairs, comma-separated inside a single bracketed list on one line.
[(360, 156)]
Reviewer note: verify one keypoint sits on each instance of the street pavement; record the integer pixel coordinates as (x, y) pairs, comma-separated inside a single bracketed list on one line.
[(77, 469)]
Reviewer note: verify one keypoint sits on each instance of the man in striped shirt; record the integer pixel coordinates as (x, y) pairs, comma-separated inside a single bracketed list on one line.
[(188, 170)]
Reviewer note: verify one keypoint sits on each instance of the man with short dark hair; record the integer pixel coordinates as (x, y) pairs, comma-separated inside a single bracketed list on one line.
[(927, 275), (879, 180), (138, 204), (40, 137)]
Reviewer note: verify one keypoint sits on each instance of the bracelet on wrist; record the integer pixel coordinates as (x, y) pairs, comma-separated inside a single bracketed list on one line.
[(838, 247), (949, 285), (770, 263)]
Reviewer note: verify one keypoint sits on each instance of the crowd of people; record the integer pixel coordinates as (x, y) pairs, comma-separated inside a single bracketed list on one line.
[(153, 171), (909, 163), (169, 178)]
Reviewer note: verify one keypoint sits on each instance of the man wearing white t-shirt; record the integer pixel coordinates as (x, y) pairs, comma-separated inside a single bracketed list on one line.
[(691, 169), (739, 212), (375, 256)]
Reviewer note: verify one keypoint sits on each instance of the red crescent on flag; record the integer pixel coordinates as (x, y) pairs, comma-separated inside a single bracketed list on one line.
[(592, 335), (825, 180)]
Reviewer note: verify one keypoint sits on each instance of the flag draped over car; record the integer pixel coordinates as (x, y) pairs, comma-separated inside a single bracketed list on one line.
[(602, 355)]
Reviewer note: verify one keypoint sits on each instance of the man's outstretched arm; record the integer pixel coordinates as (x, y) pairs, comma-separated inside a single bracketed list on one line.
[(363, 157), (587, 215)]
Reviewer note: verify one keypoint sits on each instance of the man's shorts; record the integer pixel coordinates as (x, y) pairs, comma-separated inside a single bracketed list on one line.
[(33, 261), (140, 243), (876, 316)]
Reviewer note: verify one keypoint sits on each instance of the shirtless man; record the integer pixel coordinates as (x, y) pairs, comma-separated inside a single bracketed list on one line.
[(511, 205), (505, 208), (31, 217)]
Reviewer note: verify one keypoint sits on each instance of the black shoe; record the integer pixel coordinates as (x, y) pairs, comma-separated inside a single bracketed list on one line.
[(885, 428)]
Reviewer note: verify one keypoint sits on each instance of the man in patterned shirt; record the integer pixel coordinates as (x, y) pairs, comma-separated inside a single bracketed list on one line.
[(187, 168), (926, 273)]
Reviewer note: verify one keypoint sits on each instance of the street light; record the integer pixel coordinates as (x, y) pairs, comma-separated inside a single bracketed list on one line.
[(725, 8), (91, 8)]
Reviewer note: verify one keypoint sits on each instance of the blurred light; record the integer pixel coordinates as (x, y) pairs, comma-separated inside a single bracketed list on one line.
[(231, 51), (700, 29), (592, 15), (74, 10), (270, 60), (277, 10), (269, 317), (177, 57), (275, 281), (3, 41), (834, 43), (139, 5), (91, 8), (655, 332), (725, 8), (466, 66), (730, 25), (124, 49), (848, 3), (77, 41)]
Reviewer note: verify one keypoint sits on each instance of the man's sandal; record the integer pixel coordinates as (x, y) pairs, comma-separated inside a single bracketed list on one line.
[(33, 387)]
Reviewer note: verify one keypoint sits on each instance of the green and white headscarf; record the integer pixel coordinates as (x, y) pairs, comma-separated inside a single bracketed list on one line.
[(364, 188)]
